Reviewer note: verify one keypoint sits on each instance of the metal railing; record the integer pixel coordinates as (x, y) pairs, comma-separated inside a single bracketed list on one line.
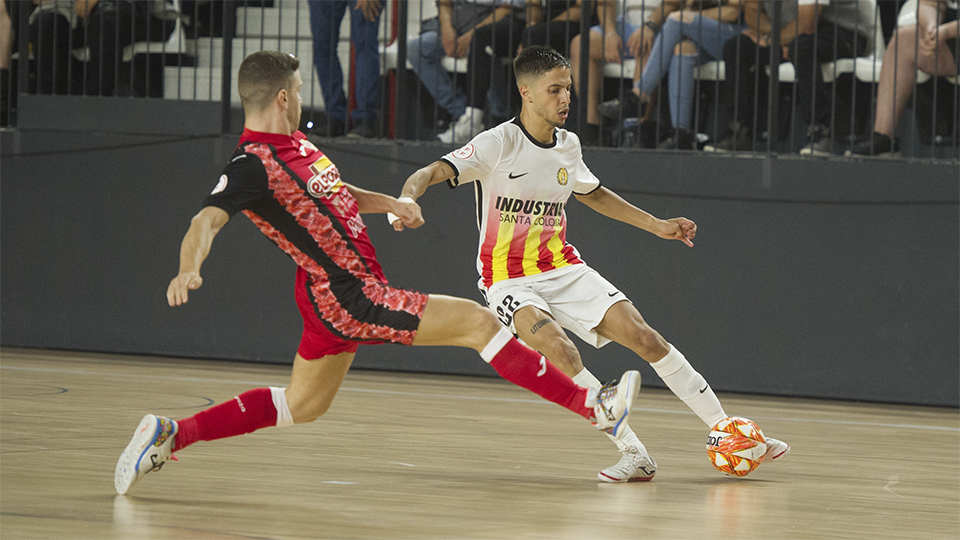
[(189, 50)]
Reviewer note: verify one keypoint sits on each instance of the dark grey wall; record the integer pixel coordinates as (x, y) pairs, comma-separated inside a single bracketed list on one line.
[(825, 278)]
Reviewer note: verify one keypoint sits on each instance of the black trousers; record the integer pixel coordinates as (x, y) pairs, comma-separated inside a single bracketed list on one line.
[(746, 77), (502, 39)]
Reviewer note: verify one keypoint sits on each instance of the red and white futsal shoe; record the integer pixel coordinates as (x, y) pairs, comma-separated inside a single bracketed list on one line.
[(776, 449), (635, 466)]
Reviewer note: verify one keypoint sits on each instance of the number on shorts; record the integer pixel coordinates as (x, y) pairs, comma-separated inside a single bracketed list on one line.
[(506, 308)]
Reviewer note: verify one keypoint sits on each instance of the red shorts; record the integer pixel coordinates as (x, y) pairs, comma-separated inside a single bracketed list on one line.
[(337, 318)]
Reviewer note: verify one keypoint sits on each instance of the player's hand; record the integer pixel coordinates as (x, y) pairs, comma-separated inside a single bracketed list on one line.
[(177, 291), (678, 229), (406, 214)]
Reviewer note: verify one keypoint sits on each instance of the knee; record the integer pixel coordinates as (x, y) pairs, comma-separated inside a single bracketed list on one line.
[(413, 48), (308, 410), (563, 354), (685, 47), (648, 343), (480, 321)]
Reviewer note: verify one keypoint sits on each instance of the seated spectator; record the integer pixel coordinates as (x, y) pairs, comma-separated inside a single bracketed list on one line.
[(554, 23), (488, 44), (450, 34), (100, 29), (689, 37), (812, 32), (626, 30), (325, 19), (932, 46)]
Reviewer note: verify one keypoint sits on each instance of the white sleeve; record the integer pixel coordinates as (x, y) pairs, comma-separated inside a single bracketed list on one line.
[(476, 159), (584, 181)]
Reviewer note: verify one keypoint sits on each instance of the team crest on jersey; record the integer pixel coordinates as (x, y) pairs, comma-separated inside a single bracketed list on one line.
[(306, 145), (562, 176), (221, 185), (464, 153)]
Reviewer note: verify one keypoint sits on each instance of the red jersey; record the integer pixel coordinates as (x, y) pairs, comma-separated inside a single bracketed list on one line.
[(293, 193)]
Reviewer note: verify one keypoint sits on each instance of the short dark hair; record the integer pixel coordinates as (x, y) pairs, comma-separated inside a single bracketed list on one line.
[(262, 75), (536, 61)]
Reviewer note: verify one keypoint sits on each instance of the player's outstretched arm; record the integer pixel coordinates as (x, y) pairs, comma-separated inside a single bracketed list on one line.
[(193, 251), (372, 202), (415, 186), (608, 203)]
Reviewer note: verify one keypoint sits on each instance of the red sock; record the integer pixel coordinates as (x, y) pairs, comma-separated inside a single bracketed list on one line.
[(246, 413), (528, 369)]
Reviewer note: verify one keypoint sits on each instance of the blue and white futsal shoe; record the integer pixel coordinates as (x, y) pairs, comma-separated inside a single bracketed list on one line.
[(150, 448), (613, 401)]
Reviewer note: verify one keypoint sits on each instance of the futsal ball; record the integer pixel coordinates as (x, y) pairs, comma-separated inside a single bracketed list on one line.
[(736, 446)]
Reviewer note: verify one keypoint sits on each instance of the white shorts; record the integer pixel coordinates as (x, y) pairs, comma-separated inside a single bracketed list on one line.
[(576, 296)]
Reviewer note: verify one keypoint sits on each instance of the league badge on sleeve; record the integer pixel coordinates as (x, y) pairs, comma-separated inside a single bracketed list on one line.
[(464, 153)]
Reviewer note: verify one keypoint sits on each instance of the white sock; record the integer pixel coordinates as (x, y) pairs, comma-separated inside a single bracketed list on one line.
[(502, 337), (628, 438), (689, 386), (279, 395)]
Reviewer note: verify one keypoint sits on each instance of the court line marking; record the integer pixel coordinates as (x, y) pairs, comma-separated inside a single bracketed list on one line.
[(473, 398)]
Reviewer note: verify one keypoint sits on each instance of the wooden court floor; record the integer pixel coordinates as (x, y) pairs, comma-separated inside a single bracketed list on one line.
[(403, 456)]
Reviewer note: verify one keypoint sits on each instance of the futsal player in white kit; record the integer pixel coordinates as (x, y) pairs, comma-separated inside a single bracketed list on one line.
[(524, 171)]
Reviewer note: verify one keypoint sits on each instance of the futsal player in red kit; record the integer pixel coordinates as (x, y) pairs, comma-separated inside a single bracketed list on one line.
[(294, 194)]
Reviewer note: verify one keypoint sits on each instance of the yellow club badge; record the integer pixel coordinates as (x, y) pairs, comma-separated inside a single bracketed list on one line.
[(562, 176)]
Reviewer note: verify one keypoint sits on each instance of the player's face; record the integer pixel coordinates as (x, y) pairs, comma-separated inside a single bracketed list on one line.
[(551, 96), (296, 104)]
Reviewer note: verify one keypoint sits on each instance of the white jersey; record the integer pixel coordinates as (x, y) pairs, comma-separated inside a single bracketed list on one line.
[(522, 186)]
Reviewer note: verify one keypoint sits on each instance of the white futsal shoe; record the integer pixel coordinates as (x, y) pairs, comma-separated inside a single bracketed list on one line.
[(612, 402), (150, 448), (635, 466), (776, 449)]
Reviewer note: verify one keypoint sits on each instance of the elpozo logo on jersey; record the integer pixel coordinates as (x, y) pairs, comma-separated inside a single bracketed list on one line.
[(562, 176), (325, 177)]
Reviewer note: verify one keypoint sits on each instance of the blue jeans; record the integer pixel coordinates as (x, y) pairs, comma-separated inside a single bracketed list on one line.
[(708, 35), (325, 17), (425, 53), (624, 30)]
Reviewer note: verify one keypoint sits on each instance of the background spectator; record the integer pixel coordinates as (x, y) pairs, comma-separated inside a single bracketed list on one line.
[(97, 30), (692, 35), (554, 23), (932, 46), (325, 18), (450, 34), (627, 29), (812, 32), (488, 45)]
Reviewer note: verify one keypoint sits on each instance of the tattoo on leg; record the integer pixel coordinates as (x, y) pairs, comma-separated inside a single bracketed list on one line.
[(539, 324)]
